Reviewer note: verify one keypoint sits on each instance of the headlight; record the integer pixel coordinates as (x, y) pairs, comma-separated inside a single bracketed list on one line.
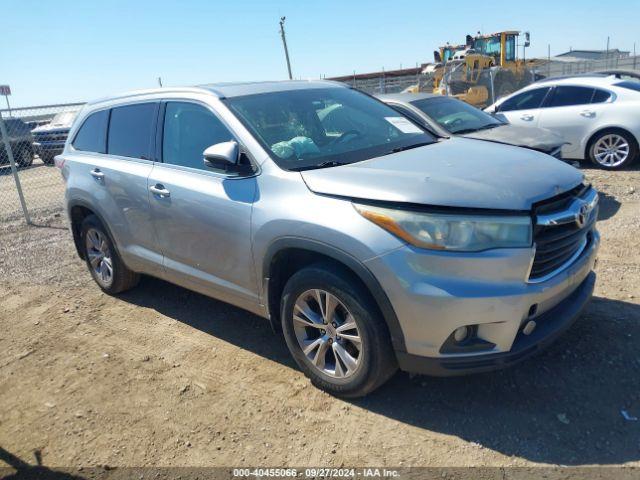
[(467, 233)]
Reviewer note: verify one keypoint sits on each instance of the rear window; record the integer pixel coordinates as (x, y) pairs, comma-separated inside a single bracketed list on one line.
[(92, 136), (629, 85), (130, 130), (565, 96), (600, 96)]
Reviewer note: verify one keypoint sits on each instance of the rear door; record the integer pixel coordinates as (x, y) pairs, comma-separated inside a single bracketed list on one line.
[(572, 111), (524, 108), (202, 216), (115, 163)]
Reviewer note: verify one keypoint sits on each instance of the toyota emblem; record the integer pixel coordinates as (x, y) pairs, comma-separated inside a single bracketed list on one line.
[(582, 215)]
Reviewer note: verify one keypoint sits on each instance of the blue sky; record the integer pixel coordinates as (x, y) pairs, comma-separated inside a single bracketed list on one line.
[(63, 50)]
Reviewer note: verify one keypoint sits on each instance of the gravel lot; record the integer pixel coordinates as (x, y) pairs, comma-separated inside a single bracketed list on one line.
[(163, 376), (42, 187)]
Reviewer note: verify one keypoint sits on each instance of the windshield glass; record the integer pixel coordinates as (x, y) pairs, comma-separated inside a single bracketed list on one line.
[(454, 115), (320, 127), (63, 118)]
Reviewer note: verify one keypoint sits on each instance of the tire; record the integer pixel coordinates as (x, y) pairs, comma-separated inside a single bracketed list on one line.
[(108, 270), (25, 157), (622, 145), (375, 360), (47, 159)]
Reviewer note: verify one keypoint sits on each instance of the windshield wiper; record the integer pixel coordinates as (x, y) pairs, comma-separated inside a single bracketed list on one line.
[(330, 163), (407, 147), (488, 126)]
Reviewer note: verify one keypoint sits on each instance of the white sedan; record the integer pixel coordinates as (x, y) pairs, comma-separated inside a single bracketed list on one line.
[(598, 115)]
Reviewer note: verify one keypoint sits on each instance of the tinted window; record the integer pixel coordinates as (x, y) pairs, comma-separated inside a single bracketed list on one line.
[(629, 84), (525, 100), (16, 127), (320, 127), (600, 96), (130, 130), (567, 96), (188, 130), (454, 115), (92, 136)]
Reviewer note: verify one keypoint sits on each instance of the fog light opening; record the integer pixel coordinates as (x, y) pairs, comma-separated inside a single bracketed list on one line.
[(529, 327), (462, 334)]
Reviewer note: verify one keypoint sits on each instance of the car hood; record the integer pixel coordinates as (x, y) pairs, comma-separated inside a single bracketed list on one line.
[(457, 172), (529, 137)]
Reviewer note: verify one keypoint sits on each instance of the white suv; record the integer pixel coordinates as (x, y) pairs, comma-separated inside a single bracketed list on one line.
[(596, 114)]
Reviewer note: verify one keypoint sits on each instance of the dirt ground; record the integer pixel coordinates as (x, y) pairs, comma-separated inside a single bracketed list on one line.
[(163, 376), (42, 188)]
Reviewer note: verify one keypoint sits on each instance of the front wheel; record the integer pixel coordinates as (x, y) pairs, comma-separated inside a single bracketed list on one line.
[(47, 158), (25, 157), (613, 149), (335, 332)]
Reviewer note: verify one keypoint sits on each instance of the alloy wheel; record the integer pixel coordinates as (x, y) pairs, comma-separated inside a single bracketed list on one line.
[(327, 333), (611, 150), (99, 256)]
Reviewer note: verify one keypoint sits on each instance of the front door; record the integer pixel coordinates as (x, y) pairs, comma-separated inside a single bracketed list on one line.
[(202, 217), (523, 109)]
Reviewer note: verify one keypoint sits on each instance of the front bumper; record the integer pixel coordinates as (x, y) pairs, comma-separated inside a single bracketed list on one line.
[(434, 293), (550, 326), (48, 148)]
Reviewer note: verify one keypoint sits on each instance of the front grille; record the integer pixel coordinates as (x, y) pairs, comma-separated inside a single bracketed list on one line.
[(50, 137), (562, 231)]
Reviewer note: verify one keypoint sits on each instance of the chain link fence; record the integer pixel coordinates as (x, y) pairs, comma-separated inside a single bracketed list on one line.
[(30, 186)]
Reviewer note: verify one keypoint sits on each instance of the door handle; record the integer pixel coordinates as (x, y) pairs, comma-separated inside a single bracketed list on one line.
[(588, 113), (526, 117), (97, 174), (159, 190)]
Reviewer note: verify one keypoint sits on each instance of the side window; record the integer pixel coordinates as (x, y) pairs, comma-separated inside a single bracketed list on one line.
[(130, 130), (565, 96), (600, 96), (525, 100), (188, 130), (92, 136)]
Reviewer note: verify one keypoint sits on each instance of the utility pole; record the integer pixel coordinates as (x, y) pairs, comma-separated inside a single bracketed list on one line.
[(606, 57), (284, 42)]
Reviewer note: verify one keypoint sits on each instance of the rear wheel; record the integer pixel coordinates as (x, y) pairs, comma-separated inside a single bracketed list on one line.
[(613, 149), (25, 157), (103, 261), (335, 332)]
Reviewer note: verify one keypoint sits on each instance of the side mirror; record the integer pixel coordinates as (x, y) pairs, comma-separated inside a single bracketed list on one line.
[(221, 155)]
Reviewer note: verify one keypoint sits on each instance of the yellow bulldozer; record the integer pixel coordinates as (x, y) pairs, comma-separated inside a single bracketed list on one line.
[(482, 70)]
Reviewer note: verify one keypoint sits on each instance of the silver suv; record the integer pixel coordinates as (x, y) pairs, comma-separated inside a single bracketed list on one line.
[(368, 241)]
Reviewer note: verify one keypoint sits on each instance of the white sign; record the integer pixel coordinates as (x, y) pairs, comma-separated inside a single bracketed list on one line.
[(5, 90), (404, 125)]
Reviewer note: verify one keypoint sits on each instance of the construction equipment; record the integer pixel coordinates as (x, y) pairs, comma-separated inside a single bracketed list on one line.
[(481, 71)]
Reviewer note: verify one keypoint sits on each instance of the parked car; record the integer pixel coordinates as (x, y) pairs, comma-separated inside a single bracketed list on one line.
[(50, 138), (450, 116), (20, 141), (368, 241), (596, 114)]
